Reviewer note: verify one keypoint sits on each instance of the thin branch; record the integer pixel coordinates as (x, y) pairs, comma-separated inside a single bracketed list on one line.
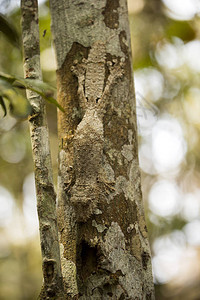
[(46, 197)]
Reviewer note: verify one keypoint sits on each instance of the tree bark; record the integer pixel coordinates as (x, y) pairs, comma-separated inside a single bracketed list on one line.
[(104, 243), (46, 197)]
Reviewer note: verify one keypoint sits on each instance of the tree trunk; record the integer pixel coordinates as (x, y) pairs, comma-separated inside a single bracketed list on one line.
[(103, 236), (46, 197)]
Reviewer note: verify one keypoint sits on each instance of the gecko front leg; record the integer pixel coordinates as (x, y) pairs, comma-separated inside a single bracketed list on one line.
[(79, 71)]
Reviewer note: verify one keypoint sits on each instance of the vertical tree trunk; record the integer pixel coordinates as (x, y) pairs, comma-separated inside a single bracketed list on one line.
[(105, 250), (46, 197)]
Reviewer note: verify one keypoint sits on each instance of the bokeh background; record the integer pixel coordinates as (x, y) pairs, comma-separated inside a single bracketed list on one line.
[(166, 59)]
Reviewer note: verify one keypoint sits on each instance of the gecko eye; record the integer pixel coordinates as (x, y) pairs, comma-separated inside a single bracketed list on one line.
[(97, 100)]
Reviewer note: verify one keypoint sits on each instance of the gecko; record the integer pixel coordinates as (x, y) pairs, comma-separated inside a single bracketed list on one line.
[(88, 144)]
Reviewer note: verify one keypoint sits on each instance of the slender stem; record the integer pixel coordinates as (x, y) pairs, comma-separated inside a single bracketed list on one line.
[(46, 197)]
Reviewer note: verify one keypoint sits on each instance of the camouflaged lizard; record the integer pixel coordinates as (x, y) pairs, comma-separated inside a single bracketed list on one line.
[(89, 136)]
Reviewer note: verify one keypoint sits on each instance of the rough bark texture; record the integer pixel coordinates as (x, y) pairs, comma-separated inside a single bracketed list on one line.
[(46, 198), (105, 252)]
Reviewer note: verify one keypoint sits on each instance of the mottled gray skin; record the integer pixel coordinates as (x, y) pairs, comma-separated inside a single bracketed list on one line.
[(89, 186)]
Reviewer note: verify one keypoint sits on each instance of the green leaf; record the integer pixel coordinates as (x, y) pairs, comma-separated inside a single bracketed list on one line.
[(49, 99), (2, 103), (9, 30), (7, 77), (19, 105), (34, 85), (5, 85), (38, 87)]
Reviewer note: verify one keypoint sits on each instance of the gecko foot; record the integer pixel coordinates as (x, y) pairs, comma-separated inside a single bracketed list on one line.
[(78, 69), (116, 68), (109, 187)]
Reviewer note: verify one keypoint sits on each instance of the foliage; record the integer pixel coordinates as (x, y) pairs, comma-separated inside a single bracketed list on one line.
[(18, 104), (10, 84), (9, 31)]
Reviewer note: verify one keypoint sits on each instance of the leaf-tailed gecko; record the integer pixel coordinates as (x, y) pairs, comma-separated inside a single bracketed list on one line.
[(88, 142)]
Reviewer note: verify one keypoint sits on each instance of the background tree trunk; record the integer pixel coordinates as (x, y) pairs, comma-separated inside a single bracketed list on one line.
[(106, 255), (46, 197)]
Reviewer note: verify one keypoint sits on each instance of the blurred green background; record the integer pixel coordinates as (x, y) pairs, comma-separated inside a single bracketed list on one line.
[(166, 59)]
